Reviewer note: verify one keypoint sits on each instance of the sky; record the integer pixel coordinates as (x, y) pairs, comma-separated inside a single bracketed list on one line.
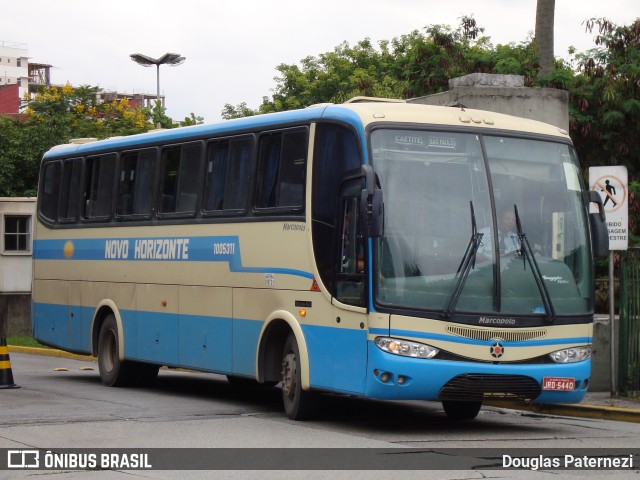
[(232, 48)]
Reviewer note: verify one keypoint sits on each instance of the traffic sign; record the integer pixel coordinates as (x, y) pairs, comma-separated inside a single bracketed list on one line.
[(611, 183)]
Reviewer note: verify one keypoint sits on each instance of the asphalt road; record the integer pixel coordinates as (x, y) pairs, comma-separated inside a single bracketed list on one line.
[(62, 404)]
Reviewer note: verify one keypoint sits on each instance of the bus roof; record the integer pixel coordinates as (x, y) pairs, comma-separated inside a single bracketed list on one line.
[(361, 112)]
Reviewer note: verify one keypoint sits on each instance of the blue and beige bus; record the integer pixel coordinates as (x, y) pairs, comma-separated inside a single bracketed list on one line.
[(355, 249)]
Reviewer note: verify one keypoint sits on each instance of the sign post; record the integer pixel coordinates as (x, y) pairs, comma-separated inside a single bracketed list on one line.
[(611, 183)]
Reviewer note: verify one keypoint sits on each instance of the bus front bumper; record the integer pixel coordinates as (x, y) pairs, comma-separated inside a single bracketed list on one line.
[(394, 377)]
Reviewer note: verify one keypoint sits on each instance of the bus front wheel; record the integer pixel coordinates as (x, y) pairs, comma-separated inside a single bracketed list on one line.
[(298, 403), (461, 410), (113, 372)]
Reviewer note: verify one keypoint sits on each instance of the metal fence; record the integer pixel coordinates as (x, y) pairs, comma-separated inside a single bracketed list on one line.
[(629, 340)]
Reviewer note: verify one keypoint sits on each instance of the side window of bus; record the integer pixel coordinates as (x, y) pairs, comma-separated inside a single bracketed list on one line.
[(99, 176), (180, 175), (236, 190), (70, 197), (137, 181), (281, 169), (351, 268), (50, 191), (227, 178), (336, 157)]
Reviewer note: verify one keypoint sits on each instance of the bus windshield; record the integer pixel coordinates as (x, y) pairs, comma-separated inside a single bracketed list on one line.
[(497, 219)]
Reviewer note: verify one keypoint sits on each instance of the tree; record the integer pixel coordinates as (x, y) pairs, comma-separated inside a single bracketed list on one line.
[(411, 65), (545, 12), (55, 116), (605, 104), (191, 120), (603, 83), (239, 111)]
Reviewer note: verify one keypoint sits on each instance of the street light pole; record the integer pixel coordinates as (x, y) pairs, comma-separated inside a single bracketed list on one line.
[(171, 59)]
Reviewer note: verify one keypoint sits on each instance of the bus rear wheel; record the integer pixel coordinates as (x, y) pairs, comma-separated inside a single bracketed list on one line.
[(298, 403), (113, 372), (461, 410)]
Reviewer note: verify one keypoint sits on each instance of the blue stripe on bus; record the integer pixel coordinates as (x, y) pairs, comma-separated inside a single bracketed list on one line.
[(334, 112), (165, 249), (471, 341), (188, 133), (217, 344)]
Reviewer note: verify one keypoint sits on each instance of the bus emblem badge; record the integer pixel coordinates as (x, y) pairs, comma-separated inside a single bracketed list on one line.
[(497, 350)]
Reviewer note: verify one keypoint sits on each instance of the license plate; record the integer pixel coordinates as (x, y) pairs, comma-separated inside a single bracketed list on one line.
[(558, 383)]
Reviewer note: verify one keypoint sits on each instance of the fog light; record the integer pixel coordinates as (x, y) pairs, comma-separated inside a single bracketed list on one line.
[(385, 377)]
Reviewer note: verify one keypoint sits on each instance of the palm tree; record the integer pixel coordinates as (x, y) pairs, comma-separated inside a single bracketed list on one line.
[(545, 11)]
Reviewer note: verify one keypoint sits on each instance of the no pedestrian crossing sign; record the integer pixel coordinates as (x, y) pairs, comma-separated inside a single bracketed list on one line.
[(611, 183)]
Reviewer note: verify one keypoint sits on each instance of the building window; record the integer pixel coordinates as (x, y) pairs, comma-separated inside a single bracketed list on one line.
[(17, 233)]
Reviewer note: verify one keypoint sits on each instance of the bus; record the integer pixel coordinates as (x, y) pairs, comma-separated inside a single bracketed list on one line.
[(344, 248)]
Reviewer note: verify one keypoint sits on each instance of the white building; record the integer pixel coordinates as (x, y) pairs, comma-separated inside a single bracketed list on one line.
[(16, 227), (14, 66)]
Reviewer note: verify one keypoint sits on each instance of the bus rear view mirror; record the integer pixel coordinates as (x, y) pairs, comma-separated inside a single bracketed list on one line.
[(371, 205), (598, 223)]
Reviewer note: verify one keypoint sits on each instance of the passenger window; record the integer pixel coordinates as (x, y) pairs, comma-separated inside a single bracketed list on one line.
[(137, 182), (71, 186), (216, 175), (282, 164), (99, 183), (236, 188), (228, 170), (50, 191), (180, 175)]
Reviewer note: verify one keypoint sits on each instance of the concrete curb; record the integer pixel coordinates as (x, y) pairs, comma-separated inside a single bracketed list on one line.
[(600, 412), (582, 410), (51, 352)]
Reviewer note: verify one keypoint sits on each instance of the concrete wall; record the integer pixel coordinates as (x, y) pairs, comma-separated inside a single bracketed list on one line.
[(505, 94), (601, 353), (15, 314)]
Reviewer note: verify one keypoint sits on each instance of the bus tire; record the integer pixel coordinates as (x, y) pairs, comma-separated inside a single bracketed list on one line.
[(456, 410), (298, 403), (113, 372)]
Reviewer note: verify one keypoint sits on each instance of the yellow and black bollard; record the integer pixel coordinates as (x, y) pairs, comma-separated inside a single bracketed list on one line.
[(6, 376)]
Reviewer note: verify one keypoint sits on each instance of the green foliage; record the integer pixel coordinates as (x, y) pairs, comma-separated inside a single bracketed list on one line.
[(55, 116), (605, 105), (191, 120), (229, 112), (408, 66), (159, 116), (603, 83)]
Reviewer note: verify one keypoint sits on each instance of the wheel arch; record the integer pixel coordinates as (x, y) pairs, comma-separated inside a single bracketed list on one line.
[(271, 341), (104, 308)]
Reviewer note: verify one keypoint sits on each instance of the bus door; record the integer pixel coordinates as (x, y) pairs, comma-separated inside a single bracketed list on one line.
[(349, 351)]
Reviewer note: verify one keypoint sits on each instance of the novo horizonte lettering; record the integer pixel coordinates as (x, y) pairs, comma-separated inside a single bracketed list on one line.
[(148, 249)]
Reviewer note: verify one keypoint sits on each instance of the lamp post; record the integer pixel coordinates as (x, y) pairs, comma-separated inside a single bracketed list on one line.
[(171, 59)]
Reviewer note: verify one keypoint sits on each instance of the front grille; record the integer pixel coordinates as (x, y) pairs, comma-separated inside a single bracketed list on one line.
[(479, 387), (511, 335)]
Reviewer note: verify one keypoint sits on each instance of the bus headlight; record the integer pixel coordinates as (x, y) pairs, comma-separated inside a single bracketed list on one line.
[(405, 348), (571, 355)]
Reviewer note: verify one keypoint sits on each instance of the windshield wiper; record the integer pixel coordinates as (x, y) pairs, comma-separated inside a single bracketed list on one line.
[(527, 253), (468, 262)]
